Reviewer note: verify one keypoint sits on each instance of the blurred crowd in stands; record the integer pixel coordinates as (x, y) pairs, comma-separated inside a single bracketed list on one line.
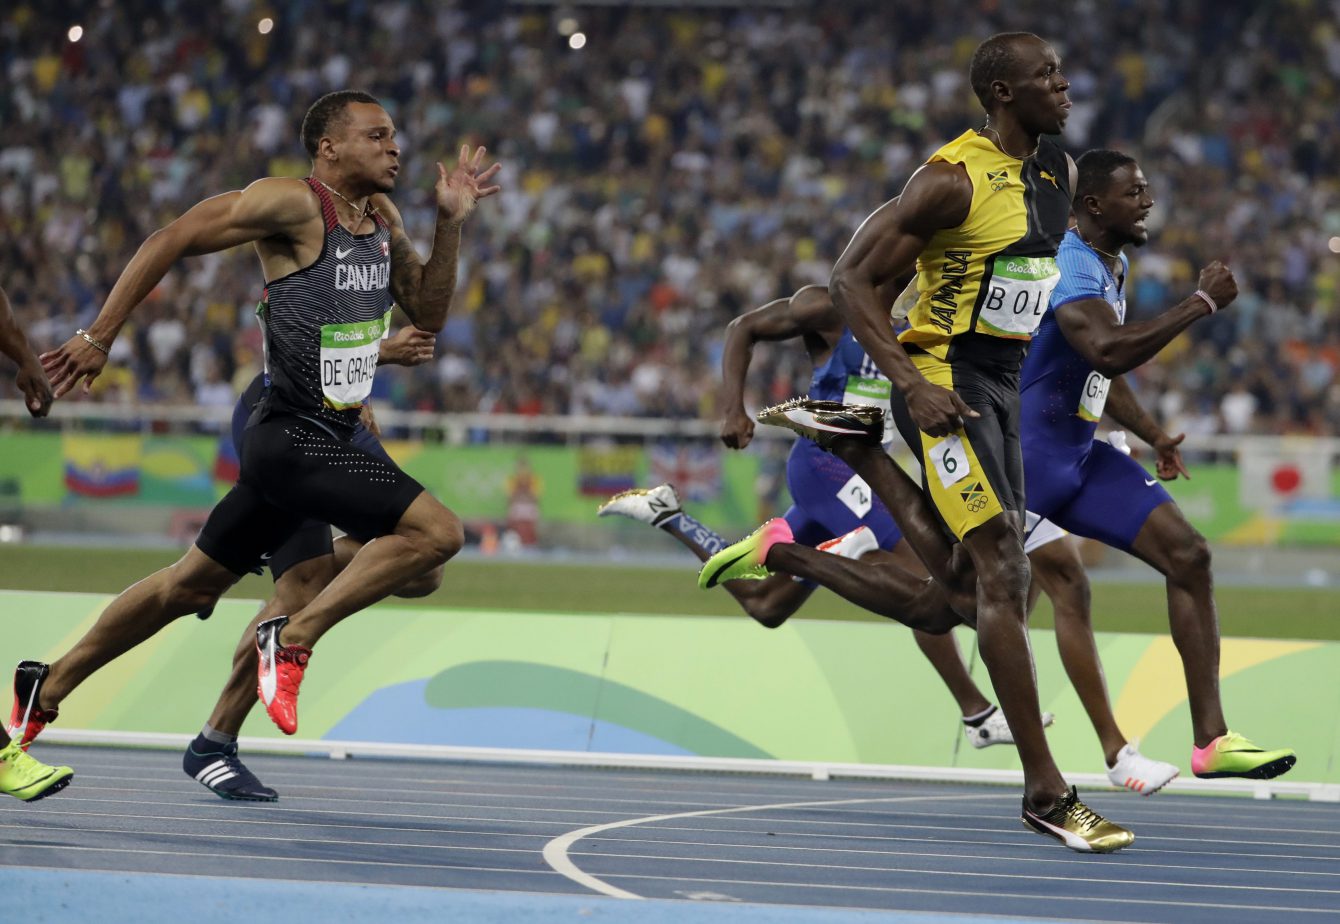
[(680, 167)]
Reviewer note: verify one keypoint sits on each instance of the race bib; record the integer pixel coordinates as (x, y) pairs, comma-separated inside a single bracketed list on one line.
[(856, 496), (1016, 296), (1093, 398), (950, 460), (349, 361), (872, 391)]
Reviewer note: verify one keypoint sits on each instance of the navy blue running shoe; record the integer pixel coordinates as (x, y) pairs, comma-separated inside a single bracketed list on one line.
[(221, 772)]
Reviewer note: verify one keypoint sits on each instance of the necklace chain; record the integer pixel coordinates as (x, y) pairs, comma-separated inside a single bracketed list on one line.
[(1088, 243), (367, 206), (1001, 143)]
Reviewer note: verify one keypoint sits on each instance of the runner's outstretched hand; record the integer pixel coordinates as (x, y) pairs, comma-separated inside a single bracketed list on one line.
[(466, 184)]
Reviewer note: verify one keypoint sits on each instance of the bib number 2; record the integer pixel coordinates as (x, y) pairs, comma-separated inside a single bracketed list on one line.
[(856, 496)]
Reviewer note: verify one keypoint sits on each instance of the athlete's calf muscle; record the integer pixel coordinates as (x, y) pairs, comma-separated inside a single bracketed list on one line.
[(432, 528)]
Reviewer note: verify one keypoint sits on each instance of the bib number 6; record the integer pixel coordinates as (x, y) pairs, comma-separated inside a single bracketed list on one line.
[(950, 458)]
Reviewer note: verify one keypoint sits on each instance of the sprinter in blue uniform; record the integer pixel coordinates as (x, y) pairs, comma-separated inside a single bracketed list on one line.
[(1073, 375)]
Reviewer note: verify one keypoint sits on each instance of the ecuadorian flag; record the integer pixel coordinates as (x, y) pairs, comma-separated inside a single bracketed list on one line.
[(102, 464), (227, 466)]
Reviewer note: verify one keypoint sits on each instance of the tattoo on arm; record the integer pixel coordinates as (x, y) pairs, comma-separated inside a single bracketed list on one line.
[(424, 290), (406, 274), (439, 273)]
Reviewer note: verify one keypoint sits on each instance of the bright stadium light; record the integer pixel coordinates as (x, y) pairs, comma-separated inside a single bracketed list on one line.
[(1334, 244), (577, 40), (265, 25), (75, 33), (567, 26)]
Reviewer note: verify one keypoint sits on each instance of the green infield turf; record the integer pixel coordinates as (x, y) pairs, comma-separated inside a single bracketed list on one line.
[(1267, 612)]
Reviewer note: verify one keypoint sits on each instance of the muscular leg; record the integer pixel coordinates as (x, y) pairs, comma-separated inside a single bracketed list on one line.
[(875, 582), (294, 589), (916, 518), (419, 586), (996, 549), (769, 602), (141, 610), (1173, 546), (427, 535), (1058, 570), (886, 583)]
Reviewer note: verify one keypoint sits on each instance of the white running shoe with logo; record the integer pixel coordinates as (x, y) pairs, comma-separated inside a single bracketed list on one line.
[(1138, 773), (652, 506), (853, 544), (995, 730)]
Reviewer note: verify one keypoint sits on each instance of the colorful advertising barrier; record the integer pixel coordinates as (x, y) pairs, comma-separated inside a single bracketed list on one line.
[(813, 690), (531, 485)]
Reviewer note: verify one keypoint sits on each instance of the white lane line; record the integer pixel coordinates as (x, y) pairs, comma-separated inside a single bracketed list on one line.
[(556, 851), (359, 793), (673, 781), (308, 788), (994, 845), (676, 785), (213, 807), (281, 861), (320, 842), (311, 803), (975, 874), (196, 820), (1126, 863), (285, 767), (659, 782)]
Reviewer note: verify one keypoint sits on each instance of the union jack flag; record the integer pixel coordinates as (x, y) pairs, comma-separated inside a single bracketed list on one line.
[(694, 468)]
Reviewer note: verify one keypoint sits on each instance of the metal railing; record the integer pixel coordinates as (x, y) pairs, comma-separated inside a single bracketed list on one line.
[(456, 429)]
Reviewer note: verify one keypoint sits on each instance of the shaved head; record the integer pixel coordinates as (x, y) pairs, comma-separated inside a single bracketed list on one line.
[(997, 59)]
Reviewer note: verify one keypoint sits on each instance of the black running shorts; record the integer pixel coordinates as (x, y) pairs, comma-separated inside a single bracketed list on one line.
[(977, 472), (296, 470)]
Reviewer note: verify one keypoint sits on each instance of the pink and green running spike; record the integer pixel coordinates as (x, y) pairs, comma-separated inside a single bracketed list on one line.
[(744, 560), (1233, 755)]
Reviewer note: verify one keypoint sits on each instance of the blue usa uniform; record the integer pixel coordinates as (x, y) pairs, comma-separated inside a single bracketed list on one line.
[(829, 499), (1083, 485)]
